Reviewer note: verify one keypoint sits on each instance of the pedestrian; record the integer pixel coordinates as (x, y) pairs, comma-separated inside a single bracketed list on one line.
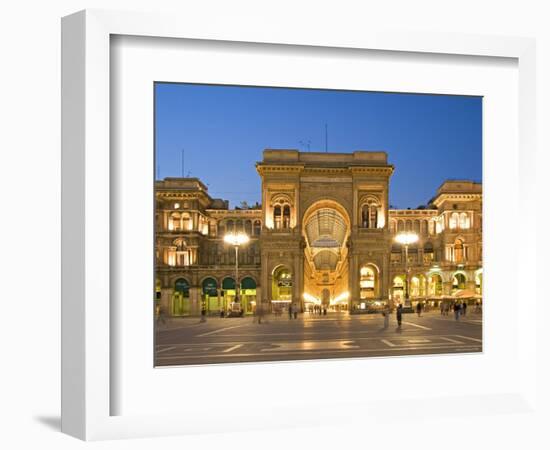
[(464, 306), (290, 311), (203, 314), (419, 309), (442, 308), (259, 312), (160, 314), (295, 310), (456, 309), (399, 314)]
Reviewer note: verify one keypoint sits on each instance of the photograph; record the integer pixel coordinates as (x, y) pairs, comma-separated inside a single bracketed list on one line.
[(306, 224)]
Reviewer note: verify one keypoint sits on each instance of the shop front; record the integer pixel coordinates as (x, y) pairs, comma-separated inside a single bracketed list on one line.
[(210, 300), (248, 295), (181, 305)]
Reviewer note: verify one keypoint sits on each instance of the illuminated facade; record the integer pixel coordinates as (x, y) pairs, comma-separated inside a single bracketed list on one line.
[(323, 235)]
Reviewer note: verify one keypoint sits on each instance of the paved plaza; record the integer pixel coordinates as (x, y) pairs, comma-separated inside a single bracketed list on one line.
[(185, 341)]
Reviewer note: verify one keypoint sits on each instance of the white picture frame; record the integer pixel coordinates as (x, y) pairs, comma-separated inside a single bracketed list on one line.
[(87, 328)]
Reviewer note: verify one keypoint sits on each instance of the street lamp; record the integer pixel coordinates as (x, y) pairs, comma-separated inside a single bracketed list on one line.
[(406, 239), (236, 240)]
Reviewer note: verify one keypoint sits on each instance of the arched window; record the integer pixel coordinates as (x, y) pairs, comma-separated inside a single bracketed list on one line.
[(238, 226), (369, 214), (248, 227), (464, 221), (435, 285), (459, 281), (408, 225), (174, 222), (230, 226), (286, 216), (186, 223), (424, 228), (221, 228), (428, 253), (417, 226), (453, 221), (367, 282), (458, 251), (400, 225), (182, 256), (393, 226), (277, 219), (257, 227)]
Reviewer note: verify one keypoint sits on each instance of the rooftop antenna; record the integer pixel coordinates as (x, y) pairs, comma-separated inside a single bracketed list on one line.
[(326, 138), (182, 162), (305, 144)]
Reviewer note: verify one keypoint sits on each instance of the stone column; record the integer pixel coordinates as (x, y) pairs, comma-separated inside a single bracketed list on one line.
[(194, 299), (447, 286), (220, 298), (353, 278), (264, 283), (384, 278), (259, 297), (166, 300), (298, 284)]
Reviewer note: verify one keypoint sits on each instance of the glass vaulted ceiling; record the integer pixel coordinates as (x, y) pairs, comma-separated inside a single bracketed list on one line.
[(326, 233)]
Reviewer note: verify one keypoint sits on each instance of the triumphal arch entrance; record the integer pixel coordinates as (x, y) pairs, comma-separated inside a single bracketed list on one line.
[(326, 241)]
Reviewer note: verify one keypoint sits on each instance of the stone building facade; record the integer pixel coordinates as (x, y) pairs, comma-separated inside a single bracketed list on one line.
[(323, 235)]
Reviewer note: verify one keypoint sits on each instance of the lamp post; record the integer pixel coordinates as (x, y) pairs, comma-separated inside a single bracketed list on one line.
[(406, 239), (236, 240)]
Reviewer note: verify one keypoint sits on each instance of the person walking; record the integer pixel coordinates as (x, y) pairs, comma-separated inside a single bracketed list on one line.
[(399, 314), (464, 306), (419, 309), (203, 314), (160, 315), (456, 309), (290, 311), (442, 308)]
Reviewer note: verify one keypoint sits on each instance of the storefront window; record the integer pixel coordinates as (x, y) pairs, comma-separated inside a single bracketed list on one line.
[(367, 283), (210, 295), (180, 298)]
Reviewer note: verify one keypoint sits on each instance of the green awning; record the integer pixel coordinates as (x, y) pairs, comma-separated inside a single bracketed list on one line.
[(228, 283), (210, 287), (182, 285), (248, 283)]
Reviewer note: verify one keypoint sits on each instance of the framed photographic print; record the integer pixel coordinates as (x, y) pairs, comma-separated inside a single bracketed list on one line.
[(250, 214), (317, 254)]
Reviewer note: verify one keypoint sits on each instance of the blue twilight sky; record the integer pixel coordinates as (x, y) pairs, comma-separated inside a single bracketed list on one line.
[(224, 129)]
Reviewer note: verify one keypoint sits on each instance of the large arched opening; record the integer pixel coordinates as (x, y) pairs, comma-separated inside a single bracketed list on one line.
[(326, 228), (459, 282), (399, 285), (281, 288), (435, 285)]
